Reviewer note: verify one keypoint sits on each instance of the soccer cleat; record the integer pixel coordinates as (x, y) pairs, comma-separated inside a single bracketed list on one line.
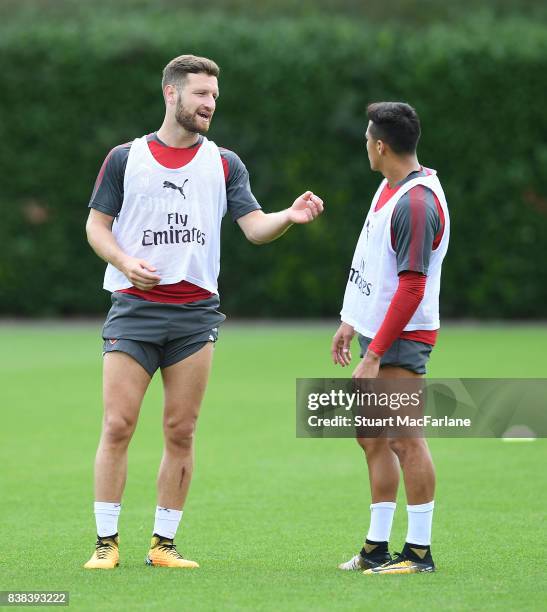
[(106, 555), (163, 553), (413, 560), (373, 554)]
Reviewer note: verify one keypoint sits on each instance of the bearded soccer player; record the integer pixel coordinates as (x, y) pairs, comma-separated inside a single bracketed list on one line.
[(155, 218), (392, 302)]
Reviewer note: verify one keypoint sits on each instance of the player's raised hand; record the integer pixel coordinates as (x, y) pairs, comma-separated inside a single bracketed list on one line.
[(140, 273), (341, 342), (306, 208)]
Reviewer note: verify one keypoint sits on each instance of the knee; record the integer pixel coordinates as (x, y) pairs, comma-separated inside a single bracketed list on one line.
[(180, 433), (372, 446), (117, 430), (405, 447)]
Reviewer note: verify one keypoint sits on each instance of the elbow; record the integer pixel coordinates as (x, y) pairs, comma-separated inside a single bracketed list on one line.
[(254, 239), (89, 231), (92, 232), (254, 227)]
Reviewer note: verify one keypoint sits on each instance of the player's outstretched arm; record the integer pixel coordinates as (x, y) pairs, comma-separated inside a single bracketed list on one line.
[(260, 228), (102, 241)]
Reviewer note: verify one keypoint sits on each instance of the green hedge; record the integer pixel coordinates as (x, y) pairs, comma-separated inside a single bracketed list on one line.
[(407, 13), (293, 99)]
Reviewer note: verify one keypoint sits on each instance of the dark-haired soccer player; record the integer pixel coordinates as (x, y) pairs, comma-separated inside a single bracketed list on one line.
[(155, 218), (392, 301)]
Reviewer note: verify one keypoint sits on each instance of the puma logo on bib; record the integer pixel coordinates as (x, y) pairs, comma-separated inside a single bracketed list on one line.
[(169, 185)]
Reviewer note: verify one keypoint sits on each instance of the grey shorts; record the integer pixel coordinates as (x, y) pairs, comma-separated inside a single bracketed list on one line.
[(158, 335), (407, 354)]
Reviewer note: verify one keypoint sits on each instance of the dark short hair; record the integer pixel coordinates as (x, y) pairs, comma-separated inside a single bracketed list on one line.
[(396, 123), (178, 68)]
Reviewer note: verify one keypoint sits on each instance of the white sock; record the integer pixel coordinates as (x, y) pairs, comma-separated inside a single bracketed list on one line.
[(167, 522), (106, 517), (381, 519), (420, 518)]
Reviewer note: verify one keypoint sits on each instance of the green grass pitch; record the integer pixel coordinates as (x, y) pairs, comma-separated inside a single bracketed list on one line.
[(269, 516)]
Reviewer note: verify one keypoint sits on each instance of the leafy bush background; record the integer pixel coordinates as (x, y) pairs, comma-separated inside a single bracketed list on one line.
[(293, 97)]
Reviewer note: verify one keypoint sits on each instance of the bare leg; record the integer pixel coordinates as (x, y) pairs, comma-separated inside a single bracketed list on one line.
[(418, 470), (184, 385), (124, 383), (413, 454), (383, 469)]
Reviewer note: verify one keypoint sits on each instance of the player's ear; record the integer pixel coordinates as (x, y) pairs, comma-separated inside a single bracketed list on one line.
[(170, 95)]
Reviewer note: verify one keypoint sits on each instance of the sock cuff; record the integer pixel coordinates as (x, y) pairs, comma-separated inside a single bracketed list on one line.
[(168, 514), (391, 505), (422, 507), (107, 508)]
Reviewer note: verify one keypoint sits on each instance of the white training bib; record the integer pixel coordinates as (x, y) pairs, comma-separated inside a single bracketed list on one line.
[(172, 217), (373, 278)]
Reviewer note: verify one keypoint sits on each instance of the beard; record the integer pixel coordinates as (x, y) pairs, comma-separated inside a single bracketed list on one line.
[(188, 120)]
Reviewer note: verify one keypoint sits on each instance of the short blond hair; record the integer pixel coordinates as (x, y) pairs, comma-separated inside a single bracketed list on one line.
[(178, 68)]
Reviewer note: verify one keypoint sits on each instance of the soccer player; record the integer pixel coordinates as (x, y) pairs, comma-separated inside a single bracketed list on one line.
[(155, 218), (392, 301)]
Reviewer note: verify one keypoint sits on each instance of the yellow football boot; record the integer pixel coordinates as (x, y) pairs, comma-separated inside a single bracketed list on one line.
[(106, 555), (371, 555), (163, 553), (413, 560)]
